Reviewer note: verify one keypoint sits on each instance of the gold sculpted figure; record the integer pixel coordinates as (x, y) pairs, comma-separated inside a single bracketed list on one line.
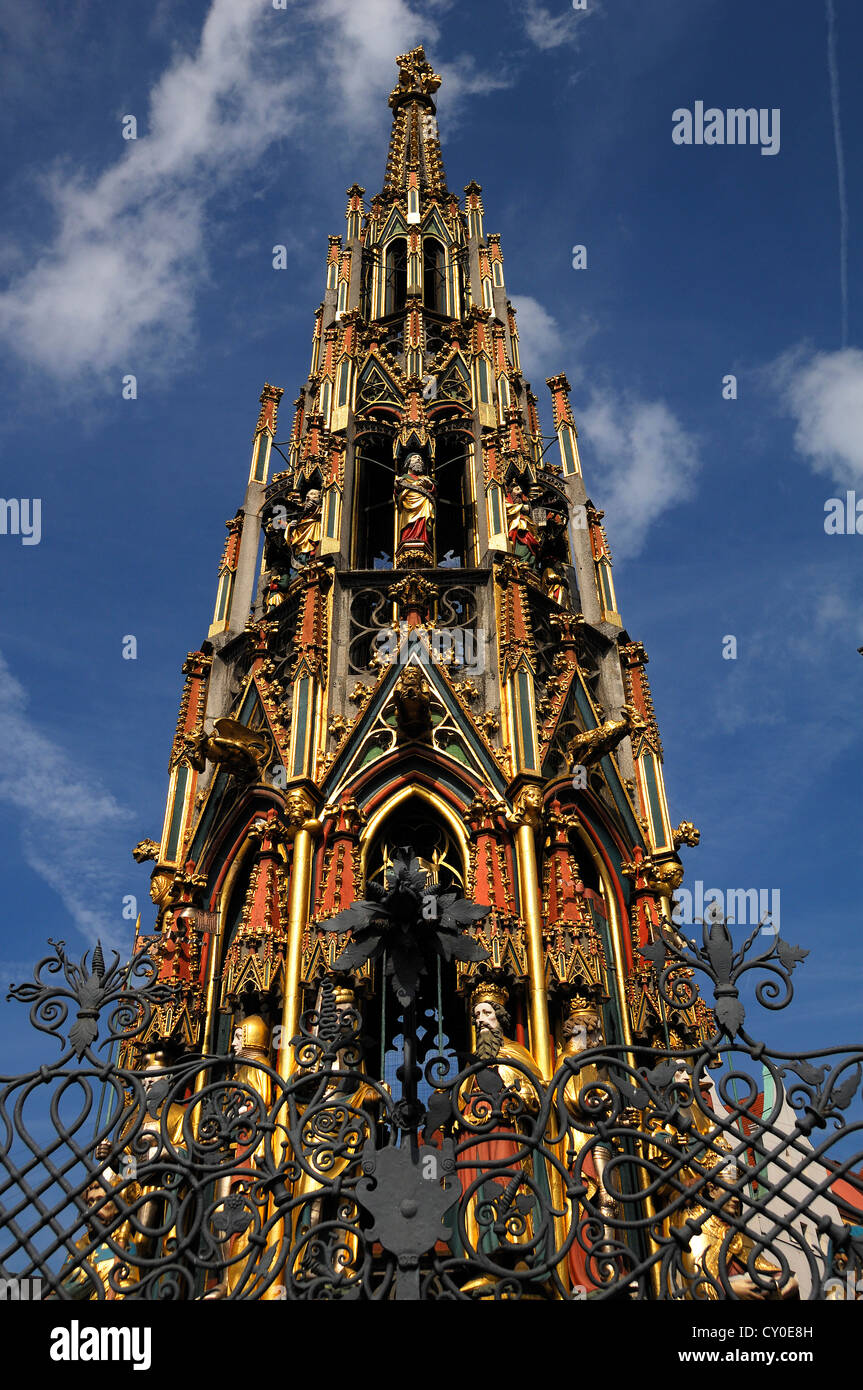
[(582, 1031)]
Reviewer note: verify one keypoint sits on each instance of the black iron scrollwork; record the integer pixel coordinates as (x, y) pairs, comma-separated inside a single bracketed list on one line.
[(631, 1173)]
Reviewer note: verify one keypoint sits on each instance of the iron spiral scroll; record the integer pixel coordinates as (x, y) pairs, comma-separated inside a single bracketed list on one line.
[(633, 1173)]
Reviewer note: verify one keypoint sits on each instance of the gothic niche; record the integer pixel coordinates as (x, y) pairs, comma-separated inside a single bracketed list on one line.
[(413, 823), (416, 509), (291, 523), (395, 276), (434, 275), (374, 525), (455, 515)]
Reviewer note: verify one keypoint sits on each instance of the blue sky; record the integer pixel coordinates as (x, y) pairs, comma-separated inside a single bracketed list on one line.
[(154, 257)]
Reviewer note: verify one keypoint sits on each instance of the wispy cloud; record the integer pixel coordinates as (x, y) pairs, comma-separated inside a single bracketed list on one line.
[(833, 70), (641, 461), (541, 338), (68, 821), (545, 345), (552, 29), (356, 66), (115, 288), (128, 250), (823, 393)]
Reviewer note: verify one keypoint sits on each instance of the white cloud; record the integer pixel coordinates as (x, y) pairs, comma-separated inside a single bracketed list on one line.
[(540, 337), (545, 347), (68, 820), (364, 37), (549, 29), (115, 289), (639, 461), (128, 251), (823, 392)]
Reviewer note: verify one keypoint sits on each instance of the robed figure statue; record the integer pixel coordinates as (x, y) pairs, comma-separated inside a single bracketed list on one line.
[(521, 527), (415, 504), (498, 1104)]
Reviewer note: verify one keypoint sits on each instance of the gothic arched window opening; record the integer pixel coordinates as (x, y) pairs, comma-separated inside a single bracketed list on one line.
[(395, 276), (374, 509), (455, 513), (441, 1019), (434, 275)]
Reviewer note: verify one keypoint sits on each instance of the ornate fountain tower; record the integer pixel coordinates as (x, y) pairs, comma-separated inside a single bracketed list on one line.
[(416, 641)]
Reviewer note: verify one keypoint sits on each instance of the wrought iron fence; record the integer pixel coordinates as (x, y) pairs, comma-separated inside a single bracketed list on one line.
[(704, 1174)]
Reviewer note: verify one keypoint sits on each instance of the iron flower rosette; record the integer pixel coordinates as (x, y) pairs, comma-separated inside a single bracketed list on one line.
[(409, 921)]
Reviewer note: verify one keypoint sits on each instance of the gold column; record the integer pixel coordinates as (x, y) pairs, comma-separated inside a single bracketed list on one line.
[(301, 873), (527, 818)]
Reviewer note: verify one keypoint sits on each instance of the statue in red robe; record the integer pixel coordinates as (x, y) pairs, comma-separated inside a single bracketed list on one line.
[(508, 1084), (521, 527)]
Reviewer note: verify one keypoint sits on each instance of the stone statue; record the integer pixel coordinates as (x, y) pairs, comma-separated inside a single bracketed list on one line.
[(336, 1123), (250, 1045), (277, 586), (415, 505), (589, 746), (554, 583), (412, 700), (241, 750), (721, 1247)]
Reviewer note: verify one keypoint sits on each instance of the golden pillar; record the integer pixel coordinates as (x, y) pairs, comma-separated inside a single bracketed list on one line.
[(304, 829), (527, 819)]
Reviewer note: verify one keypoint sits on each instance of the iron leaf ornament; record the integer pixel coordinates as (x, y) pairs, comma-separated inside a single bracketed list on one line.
[(90, 987), (410, 920), (717, 958)]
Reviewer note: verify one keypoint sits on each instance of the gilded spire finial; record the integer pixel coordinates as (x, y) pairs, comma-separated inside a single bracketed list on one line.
[(416, 78)]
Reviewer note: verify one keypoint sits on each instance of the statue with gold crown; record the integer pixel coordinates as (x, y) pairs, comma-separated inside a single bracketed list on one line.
[(497, 1103), (586, 1098)]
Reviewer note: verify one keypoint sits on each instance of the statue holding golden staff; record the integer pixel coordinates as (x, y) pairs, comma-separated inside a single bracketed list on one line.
[(415, 506), (334, 1120), (250, 1044), (521, 527), (582, 1031), (103, 1263), (508, 1083), (304, 534)]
